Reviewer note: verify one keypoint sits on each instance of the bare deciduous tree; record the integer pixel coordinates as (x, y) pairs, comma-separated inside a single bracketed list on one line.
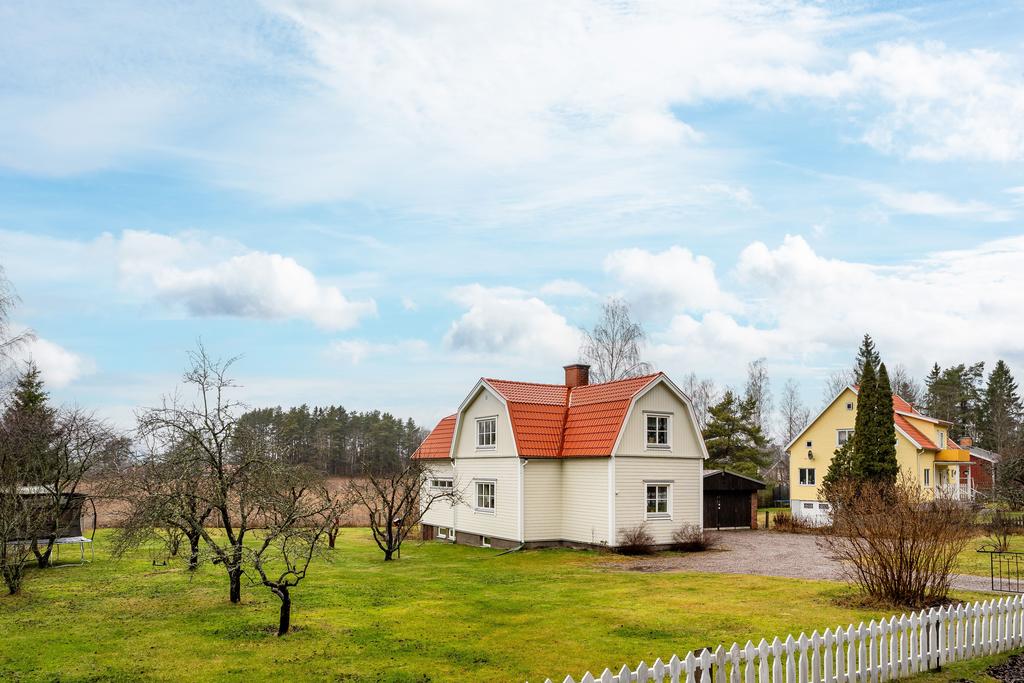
[(81, 445), (905, 386), (165, 493), (897, 543), (703, 394), (295, 512), (206, 429), (396, 498), (758, 391), (614, 347), (16, 521), (837, 381), (9, 340), (793, 414)]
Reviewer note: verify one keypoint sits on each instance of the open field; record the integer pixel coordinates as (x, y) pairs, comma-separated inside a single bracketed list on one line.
[(440, 613)]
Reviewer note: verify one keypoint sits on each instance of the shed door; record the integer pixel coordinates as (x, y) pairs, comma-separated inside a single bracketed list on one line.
[(726, 509)]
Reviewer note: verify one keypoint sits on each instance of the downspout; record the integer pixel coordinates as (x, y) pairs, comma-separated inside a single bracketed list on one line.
[(522, 504)]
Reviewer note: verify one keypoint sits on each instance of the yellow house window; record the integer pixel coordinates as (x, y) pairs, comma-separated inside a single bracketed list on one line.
[(927, 476)]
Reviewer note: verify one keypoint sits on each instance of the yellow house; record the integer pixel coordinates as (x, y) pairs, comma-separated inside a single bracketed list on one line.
[(923, 450)]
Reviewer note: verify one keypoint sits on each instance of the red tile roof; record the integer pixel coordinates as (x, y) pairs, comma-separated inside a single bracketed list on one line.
[(555, 421), (914, 433), (438, 444), (899, 405)]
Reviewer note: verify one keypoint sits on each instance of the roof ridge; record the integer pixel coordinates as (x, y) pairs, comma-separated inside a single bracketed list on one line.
[(519, 381)]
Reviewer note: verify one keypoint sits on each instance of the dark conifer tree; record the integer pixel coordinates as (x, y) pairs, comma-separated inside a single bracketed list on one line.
[(866, 355), (1000, 411)]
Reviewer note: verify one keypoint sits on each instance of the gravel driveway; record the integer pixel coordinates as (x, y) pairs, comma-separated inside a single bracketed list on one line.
[(766, 553)]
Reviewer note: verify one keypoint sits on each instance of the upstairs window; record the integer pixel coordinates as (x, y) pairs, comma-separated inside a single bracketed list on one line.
[(442, 484), (486, 432), (485, 496), (843, 435), (657, 501), (942, 439), (658, 431), (807, 476)]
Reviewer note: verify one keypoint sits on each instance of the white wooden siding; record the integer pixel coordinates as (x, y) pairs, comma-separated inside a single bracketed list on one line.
[(684, 474), (440, 513), (585, 500), (660, 399), (543, 499), (486, 404), (504, 521)]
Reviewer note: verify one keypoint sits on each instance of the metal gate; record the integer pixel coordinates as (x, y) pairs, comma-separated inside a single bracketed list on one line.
[(1005, 570)]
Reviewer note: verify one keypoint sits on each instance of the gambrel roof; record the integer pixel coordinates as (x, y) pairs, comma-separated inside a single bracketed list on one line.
[(554, 420)]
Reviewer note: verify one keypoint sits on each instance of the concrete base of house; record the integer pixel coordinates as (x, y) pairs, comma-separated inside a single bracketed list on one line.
[(444, 534)]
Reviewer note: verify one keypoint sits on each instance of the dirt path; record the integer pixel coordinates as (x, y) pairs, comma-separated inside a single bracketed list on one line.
[(765, 553)]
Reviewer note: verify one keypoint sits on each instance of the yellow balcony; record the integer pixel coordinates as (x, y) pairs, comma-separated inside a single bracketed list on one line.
[(953, 455)]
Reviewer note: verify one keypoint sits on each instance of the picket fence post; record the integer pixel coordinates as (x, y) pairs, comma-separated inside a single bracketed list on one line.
[(877, 652)]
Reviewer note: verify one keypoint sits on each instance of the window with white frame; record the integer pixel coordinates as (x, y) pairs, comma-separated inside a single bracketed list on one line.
[(658, 503), (807, 476), (442, 484), (942, 439), (485, 541), (442, 532), (486, 432), (927, 477), (843, 435), (485, 496), (659, 431), (808, 506)]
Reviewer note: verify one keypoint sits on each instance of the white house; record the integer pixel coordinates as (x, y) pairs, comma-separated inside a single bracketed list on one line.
[(566, 464)]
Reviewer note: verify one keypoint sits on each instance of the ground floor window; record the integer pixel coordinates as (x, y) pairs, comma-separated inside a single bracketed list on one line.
[(442, 532), (927, 477), (657, 501), (807, 476), (808, 506), (485, 541), (485, 496)]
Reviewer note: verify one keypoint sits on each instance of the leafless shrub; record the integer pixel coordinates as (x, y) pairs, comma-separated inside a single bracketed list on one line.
[(690, 538), (998, 527), (896, 543), (786, 522), (636, 540)]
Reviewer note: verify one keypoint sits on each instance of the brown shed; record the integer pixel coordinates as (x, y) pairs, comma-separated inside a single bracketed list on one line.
[(730, 500)]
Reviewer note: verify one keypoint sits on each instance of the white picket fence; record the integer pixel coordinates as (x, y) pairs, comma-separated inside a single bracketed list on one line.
[(879, 651)]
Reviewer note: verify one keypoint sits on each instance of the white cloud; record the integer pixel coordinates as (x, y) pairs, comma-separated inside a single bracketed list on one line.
[(212, 276), (674, 278), (309, 102), (505, 321), (948, 307), (201, 274), (941, 104), (58, 366), (567, 288), (934, 204), (355, 351)]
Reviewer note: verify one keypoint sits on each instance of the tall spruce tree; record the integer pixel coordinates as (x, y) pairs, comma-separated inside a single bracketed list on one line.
[(883, 466), (29, 427), (873, 456), (867, 355), (1000, 411)]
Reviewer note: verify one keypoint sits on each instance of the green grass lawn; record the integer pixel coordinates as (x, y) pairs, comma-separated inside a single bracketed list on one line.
[(442, 612), (973, 562)]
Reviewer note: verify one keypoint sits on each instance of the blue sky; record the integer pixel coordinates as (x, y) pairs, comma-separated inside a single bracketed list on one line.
[(376, 203)]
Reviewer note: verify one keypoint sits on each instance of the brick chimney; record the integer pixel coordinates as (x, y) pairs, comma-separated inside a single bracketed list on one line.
[(577, 375), (966, 442)]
